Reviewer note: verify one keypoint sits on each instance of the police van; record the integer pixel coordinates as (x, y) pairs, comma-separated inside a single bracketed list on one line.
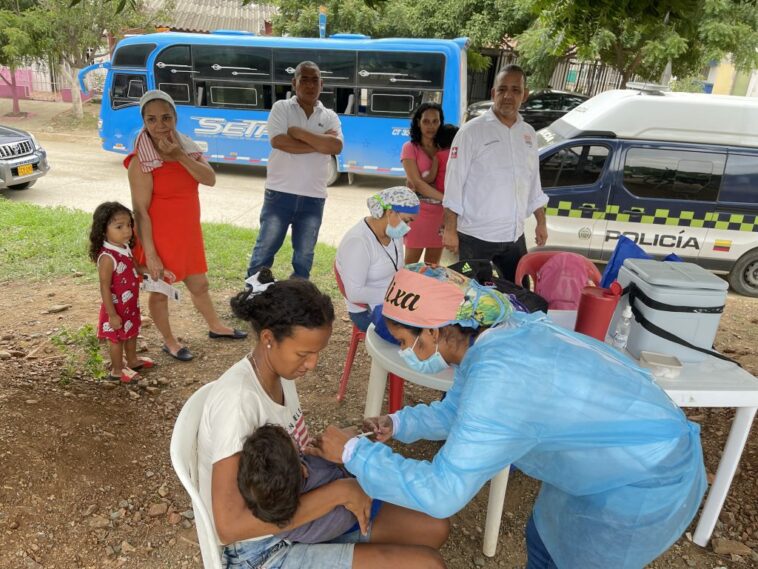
[(675, 172)]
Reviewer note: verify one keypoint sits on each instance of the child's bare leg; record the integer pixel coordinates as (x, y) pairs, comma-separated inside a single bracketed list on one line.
[(397, 525), (130, 348), (412, 255), (116, 350), (433, 255), (370, 556)]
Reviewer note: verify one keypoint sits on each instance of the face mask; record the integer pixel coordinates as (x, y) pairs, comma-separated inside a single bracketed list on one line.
[(397, 231), (432, 365)]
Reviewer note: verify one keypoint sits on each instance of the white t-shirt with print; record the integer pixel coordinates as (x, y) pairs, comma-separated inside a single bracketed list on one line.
[(237, 405)]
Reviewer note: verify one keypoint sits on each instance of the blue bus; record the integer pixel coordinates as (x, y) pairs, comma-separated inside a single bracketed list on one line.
[(225, 83)]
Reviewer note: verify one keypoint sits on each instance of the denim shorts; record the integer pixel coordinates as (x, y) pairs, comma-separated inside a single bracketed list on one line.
[(276, 553)]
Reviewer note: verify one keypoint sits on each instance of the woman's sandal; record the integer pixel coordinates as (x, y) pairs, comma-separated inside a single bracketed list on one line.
[(183, 354)]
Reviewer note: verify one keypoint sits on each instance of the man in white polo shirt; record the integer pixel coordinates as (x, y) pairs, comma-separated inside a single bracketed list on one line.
[(304, 135), (493, 181)]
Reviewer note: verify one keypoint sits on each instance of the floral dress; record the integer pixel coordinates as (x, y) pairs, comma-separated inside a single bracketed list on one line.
[(125, 295)]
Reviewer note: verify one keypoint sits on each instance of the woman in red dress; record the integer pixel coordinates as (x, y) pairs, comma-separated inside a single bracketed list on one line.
[(164, 182)]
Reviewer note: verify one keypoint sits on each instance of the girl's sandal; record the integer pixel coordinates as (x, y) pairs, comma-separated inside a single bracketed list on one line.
[(127, 376), (144, 363)]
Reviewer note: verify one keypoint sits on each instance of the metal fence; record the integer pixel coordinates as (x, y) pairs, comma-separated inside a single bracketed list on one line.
[(586, 77)]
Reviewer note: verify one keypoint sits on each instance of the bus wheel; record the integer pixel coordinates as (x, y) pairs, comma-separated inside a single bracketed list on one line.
[(744, 275), (334, 174)]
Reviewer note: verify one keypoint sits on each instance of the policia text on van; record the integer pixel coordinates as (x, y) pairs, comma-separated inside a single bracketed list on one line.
[(675, 172)]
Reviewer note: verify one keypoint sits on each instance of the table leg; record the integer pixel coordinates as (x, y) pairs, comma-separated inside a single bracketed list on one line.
[(377, 383), (735, 443), (495, 503)]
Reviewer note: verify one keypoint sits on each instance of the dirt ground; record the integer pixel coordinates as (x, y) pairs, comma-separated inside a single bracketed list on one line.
[(85, 475)]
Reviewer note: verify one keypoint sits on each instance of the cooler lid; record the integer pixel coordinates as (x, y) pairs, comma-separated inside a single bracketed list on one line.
[(674, 274)]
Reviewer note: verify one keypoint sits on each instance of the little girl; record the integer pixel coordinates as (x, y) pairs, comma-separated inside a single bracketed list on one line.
[(111, 238)]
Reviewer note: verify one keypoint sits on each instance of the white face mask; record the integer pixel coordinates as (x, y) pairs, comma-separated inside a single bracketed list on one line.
[(397, 231)]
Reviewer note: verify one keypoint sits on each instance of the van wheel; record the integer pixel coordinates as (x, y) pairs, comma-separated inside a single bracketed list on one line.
[(744, 275), (334, 174), (23, 186)]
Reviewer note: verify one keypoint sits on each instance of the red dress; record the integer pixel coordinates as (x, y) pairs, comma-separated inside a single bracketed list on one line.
[(175, 216), (125, 295)]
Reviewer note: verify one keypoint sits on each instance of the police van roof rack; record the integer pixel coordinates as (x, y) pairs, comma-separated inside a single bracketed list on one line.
[(595, 134), (648, 88)]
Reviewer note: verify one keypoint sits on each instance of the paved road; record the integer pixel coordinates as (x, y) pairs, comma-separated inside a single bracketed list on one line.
[(83, 175)]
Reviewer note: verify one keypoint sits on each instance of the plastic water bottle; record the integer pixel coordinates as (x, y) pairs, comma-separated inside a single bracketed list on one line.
[(621, 334)]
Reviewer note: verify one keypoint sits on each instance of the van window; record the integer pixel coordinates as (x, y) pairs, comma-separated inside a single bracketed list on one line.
[(132, 55), (173, 73), (662, 173), (579, 165), (741, 179)]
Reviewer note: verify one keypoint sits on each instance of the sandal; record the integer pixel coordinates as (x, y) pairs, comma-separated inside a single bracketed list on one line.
[(127, 376), (235, 335), (183, 354), (144, 363)]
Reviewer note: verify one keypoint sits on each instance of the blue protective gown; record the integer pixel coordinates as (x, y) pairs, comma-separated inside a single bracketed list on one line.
[(621, 467)]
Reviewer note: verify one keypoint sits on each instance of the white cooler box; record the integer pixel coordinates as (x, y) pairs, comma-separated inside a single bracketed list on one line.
[(682, 299)]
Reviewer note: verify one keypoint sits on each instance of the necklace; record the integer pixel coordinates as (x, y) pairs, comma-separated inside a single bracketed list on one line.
[(259, 375), (394, 261)]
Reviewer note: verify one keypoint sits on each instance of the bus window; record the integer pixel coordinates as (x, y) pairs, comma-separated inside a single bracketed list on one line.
[(401, 70), (337, 67), (237, 78), (391, 104), (126, 89), (236, 95), (173, 73), (132, 55), (238, 63)]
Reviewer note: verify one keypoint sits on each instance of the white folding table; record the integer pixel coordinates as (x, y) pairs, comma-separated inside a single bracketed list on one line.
[(711, 383)]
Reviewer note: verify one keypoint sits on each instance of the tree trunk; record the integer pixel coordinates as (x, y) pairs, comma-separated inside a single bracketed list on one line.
[(71, 74), (16, 111)]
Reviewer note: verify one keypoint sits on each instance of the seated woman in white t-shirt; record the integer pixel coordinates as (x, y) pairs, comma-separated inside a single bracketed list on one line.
[(292, 321), (371, 252)]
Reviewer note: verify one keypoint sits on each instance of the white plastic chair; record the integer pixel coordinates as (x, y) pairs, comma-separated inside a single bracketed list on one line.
[(184, 461)]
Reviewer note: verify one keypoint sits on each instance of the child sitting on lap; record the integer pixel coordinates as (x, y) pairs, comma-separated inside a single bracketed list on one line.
[(272, 475)]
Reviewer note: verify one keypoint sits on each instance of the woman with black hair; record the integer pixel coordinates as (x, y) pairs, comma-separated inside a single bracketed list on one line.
[(420, 163), (292, 322), (164, 172)]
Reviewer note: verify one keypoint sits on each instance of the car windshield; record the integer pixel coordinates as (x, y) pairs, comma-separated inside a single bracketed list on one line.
[(546, 136)]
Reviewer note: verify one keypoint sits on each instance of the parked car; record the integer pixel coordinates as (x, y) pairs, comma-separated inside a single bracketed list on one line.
[(635, 163), (22, 159), (540, 109)]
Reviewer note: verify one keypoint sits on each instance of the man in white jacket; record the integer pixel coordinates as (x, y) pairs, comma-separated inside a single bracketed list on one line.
[(493, 181)]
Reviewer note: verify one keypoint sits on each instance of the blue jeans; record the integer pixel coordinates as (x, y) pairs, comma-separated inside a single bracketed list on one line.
[(280, 210), (276, 553), (362, 320), (537, 556)]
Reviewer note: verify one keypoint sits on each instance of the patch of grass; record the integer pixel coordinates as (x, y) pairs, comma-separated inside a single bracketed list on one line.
[(65, 121), (40, 243), (82, 350)]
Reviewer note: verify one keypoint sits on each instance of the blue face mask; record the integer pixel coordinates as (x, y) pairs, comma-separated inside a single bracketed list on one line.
[(432, 365), (397, 231)]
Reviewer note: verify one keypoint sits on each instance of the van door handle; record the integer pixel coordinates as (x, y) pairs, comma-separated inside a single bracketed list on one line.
[(588, 207), (634, 211)]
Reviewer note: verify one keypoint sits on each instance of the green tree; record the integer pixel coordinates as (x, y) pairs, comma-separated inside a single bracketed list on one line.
[(484, 22), (642, 36), (19, 35), (75, 32)]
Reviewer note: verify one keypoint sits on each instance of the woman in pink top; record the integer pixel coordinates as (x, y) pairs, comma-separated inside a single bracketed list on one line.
[(420, 163)]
